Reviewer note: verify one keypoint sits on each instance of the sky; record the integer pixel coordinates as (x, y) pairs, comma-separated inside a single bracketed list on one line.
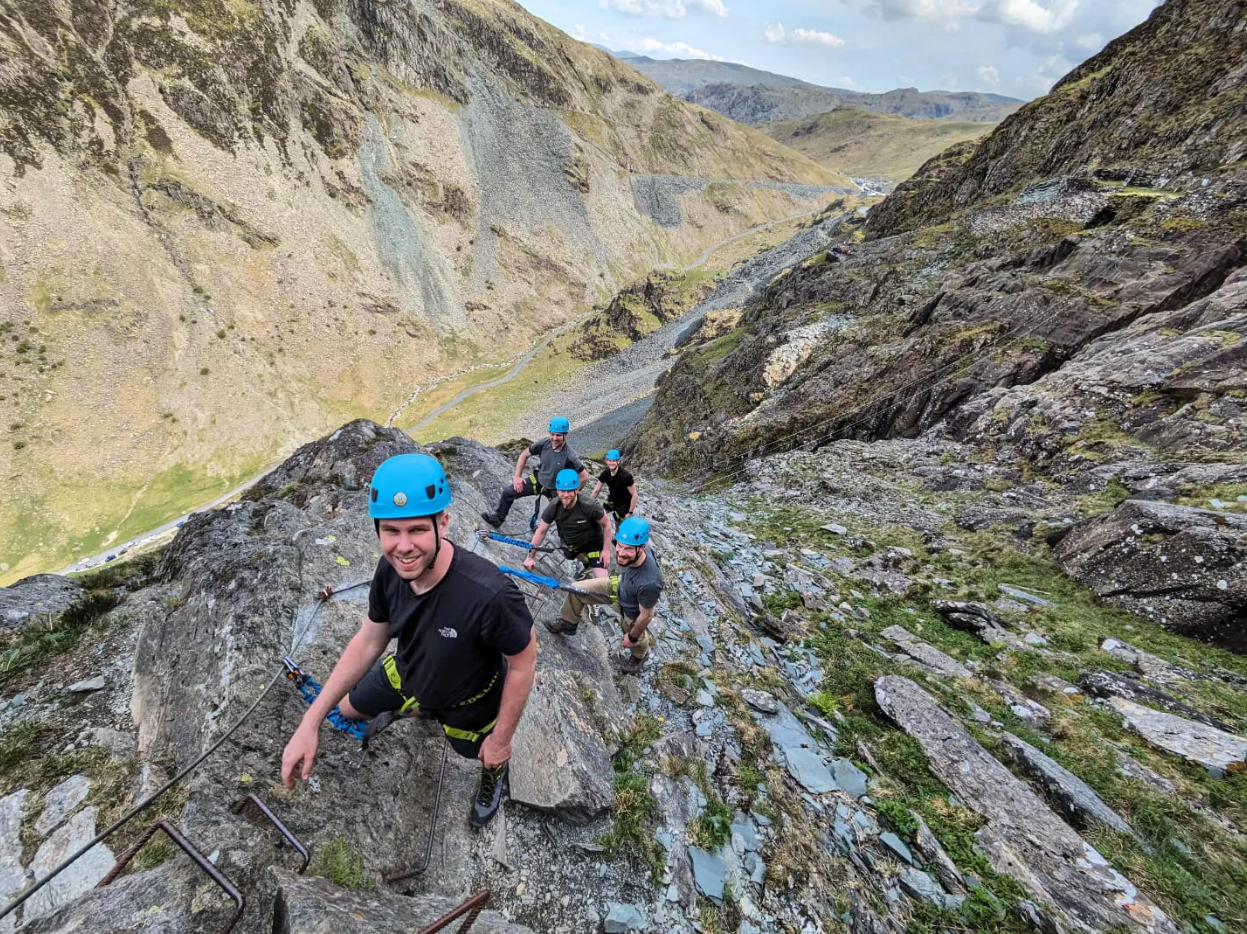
[(1018, 48)]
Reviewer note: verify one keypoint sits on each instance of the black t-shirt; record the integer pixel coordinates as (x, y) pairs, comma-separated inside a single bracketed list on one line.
[(617, 488), (553, 461), (578, 526), (640, 587), (451, 640)]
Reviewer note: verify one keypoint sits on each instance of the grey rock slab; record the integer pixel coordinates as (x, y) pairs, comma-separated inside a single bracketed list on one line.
[(88, 686), (897, 846), (1115, 684), (748, 836), (312, 905), (834, 528), (1146, 664), (12, 875), (677, 745), (926, 654), (849, 778), (1196, 742), (808, 768), (60, 801), (81, 876), (1022, 837), (920, 885), (1023, 595), (933, 853), (152, 902), (560, 762), (709, 873), (760, 700), (1030, 712), (1073, 798), (624, 918)]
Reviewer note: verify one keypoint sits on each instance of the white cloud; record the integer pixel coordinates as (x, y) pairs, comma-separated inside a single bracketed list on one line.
[(1090, 42), (667, 9), (1039, 16), (778, 35), (845, 81), (709, 6), (990, 76), (648, 45), (906, 80), (950, 81), (579, 32)]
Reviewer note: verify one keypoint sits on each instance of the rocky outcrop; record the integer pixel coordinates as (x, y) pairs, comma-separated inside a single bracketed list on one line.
[(137, 903), (1022, 837), (1218, 751), (1073, 798), (1091, 117), (317, 906), (926, 654), (1183, 567), (1105, 684), (37, 595)]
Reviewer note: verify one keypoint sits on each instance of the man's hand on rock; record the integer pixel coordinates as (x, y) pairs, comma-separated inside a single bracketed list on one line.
[(530, 562), (300, 752), (494, 751)]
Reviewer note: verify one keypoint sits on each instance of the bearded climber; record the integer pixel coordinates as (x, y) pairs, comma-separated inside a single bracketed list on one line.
[(466, 652), (554, 455), (636, 590), (620, 487)]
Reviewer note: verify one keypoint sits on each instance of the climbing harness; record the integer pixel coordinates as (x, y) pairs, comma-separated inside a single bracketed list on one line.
[(485, 535), (310, 688)]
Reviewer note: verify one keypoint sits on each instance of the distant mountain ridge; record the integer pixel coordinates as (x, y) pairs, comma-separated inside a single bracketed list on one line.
[(750, 95)]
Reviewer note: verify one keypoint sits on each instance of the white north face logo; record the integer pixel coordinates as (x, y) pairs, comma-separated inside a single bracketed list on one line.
[(448, 632)]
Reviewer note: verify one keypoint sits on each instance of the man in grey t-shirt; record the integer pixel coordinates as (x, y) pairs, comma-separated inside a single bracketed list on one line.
[(637, 590), (554, 455)]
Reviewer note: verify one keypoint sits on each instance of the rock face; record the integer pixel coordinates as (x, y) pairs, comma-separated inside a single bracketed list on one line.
[(1213, 749), (561, 762), (316, 906), (137, 903), (34, 596), (79, 877), (1022, 837), (1073, 798)]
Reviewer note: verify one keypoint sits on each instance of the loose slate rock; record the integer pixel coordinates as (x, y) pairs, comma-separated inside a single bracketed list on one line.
[(88, 686), (60, 801), (623, 918), (1073, 798), (1022, 836), (1114, 684), (759, 700), (1215, 750), (1146, 664), (927, 655), (849, 777), (709, 873)]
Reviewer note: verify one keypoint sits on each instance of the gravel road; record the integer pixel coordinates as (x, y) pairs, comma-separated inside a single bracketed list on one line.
[(606, 399)]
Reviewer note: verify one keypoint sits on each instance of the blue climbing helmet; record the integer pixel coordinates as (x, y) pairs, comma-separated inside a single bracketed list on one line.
[(567, 479), (612, 455), (407, 486), (559, 425), (633, 531)]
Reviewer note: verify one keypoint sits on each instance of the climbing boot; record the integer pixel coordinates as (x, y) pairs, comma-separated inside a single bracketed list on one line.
[(561, 627), (493, 519), (488, 795), (628, 665)]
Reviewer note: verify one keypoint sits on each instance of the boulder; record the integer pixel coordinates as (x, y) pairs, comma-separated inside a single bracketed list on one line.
[(1186, 568), (560, 761), (1073, 798), (38, 595), (152, 902), (1146, 664), (60, 801), (1022, 836), (978, 619), (1214, 749), (310, 905), (1106, 684)]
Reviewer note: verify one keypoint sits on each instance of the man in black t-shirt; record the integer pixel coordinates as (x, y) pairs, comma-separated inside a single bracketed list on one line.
[(554, 456), (584, 526), (620, 488), (466, 652)]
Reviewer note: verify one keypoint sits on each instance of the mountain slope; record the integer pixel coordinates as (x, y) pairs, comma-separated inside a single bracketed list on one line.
[(227, 225), (1162, 103), (860, 143), (1066, 323), (750, 95)]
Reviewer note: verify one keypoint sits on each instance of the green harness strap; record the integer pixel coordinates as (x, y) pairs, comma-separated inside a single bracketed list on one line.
[(390, 664)]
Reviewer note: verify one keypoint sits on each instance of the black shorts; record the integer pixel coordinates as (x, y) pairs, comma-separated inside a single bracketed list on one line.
[(619, 516), (589, 563), (374, 694)]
